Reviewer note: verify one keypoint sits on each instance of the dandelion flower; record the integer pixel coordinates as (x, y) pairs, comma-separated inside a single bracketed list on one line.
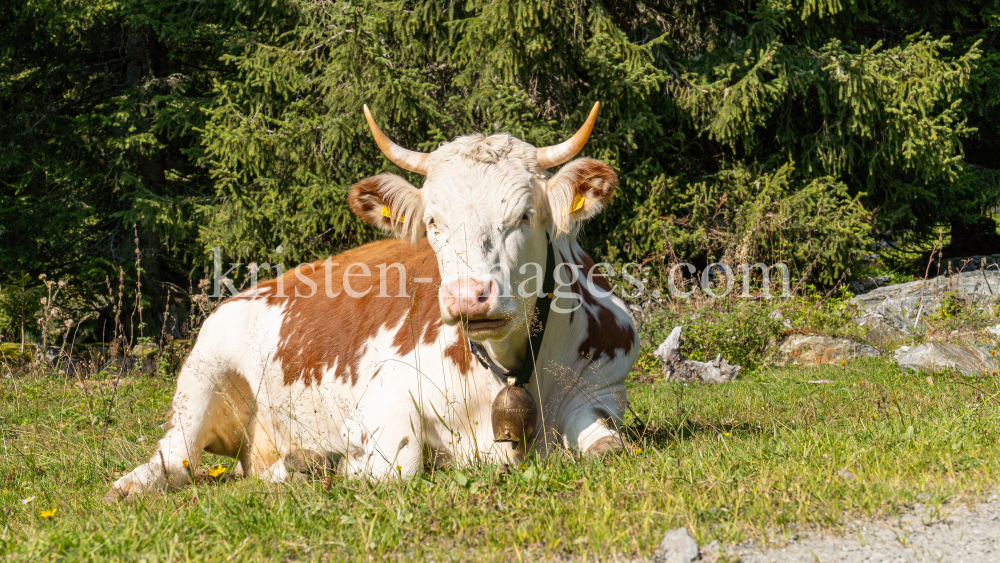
[(27, 500), (843, 362), (399, 468), (217, 470), (48, 513), (725, 433), (186, 464)]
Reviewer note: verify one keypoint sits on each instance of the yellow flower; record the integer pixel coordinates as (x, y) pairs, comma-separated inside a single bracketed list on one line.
[(725, 433), (843, 362), (217, 470), (399, 468), (186, 463), (48, 513), (638, 450)]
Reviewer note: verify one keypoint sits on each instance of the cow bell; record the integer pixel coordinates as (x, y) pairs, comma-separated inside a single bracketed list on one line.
[(514, 414)]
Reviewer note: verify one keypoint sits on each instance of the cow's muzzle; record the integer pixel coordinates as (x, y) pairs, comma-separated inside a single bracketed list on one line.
[(470, 298)]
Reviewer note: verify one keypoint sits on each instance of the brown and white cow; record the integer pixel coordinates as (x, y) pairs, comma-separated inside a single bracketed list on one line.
[(376, 369)]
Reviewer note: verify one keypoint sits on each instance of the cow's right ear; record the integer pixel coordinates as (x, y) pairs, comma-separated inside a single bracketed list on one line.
[(390, 203)]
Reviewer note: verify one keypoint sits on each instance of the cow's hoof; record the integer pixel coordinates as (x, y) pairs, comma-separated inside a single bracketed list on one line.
[(115, 495), (604, 446), (123, 492)]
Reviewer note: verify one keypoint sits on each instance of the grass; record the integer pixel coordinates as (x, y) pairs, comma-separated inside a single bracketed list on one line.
[(756, 458)]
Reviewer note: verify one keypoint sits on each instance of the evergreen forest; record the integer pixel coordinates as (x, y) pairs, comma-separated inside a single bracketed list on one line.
[(837, 136)]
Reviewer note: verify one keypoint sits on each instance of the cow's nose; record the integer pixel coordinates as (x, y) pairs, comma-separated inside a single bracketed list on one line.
[(469, 298)]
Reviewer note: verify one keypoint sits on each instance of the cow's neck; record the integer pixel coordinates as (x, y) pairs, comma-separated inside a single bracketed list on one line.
[(509, 352)]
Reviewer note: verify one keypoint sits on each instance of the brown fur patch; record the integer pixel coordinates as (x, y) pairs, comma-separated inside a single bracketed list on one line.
[(368, 197), (319, 332), (594, 179), (606, 335)]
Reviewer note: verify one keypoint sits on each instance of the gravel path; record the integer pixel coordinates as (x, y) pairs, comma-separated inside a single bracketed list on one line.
[(954, 534)]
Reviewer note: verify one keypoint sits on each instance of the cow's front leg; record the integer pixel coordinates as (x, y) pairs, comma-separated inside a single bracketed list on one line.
[(592, 427), (382, 438)]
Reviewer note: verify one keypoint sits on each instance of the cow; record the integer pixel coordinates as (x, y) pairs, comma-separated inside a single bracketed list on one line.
[(387, 357)]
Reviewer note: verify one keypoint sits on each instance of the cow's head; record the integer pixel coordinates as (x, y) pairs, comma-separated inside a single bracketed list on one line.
[(486, 206)]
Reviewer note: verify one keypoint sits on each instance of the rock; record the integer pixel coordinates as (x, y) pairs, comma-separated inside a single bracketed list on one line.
[(846, 474), (935, 356), (807, 350), (678, 546), (712, 551), (968, 263), (923, 297), (776, 315), (885, 324), (678, 368), (144, 350), (993, 331)]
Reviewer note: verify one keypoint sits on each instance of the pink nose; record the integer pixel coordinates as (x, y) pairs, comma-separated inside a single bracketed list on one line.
[(469, 298)]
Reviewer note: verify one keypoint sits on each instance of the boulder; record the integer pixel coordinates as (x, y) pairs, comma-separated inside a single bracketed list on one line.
[(886, 324), (993, 331), (935, 356), (923, 297), (805, 350), (678, 368)]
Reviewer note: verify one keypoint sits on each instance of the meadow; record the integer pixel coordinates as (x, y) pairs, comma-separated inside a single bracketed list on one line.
[(767, 456)]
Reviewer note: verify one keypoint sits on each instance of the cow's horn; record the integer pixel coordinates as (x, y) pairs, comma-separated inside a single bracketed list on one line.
[(557, 154), (403, 158)]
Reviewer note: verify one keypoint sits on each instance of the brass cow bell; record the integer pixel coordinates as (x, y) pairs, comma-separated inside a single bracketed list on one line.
[(514, 414)]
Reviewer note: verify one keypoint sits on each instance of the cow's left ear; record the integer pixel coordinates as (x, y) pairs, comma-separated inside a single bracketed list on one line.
[(579, 191), (389, 203)]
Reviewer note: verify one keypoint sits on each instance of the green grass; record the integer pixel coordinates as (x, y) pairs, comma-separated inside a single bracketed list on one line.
[(732, 462)]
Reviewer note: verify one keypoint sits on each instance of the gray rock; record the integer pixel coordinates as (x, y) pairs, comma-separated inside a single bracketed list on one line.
[(806, 350), (678, 546), (846, 474), (886, 324), (923, 297), (993, 331), (678, 368), (935, 356), (776, 315), (969, 263)]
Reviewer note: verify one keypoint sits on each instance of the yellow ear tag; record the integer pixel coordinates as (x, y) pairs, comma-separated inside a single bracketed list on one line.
[(388, 214), (578, 202)]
